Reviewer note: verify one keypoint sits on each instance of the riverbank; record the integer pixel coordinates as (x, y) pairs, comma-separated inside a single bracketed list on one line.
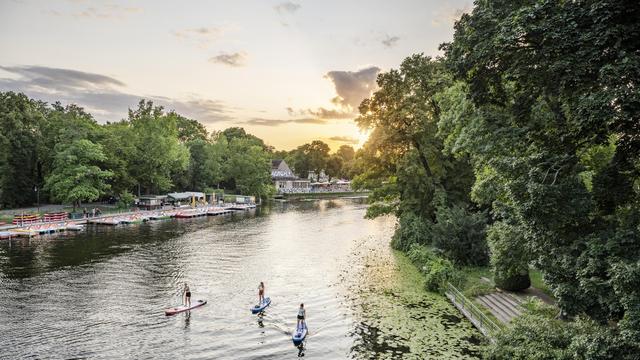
[(400, 318)]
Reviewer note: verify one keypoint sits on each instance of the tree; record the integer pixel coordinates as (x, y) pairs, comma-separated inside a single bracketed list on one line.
[(20, 144), (249, 168), (333, 167), (318, 154), (158, 153), (76, 174)]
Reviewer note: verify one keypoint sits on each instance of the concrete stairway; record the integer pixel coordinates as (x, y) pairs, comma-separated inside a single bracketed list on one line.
[(502, 305)]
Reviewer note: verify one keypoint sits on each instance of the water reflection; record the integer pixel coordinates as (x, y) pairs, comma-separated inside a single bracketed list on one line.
[(101, 292)]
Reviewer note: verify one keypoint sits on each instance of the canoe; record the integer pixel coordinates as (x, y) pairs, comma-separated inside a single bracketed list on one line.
[(260, 308), (300, 334), (182, 308)]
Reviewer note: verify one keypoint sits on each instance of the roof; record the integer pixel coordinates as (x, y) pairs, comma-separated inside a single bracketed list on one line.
[(276, 163), (153, 196), (185, 195)]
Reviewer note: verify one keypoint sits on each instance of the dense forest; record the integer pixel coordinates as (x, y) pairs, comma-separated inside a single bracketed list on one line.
[(519, 149), (65, 155)]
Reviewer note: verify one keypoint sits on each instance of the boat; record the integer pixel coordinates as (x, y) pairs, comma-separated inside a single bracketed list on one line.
[(260, 307), (300, 334), (182, 308)]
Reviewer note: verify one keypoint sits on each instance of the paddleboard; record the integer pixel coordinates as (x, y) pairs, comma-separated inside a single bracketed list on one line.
[(299, 334), (179, 309), (260, 308)]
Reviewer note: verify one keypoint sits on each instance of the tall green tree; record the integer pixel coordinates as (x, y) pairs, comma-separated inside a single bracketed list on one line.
[(76, 175), (20, 148), (158, 154), (249, 168)]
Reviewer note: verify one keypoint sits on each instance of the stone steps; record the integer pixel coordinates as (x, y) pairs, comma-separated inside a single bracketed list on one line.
[(503, 306)]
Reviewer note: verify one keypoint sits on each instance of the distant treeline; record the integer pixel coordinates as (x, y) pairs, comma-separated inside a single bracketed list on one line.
[(520, 148), (63, 155)]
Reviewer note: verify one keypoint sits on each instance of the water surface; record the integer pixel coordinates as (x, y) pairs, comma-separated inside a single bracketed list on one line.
[(101, 293)]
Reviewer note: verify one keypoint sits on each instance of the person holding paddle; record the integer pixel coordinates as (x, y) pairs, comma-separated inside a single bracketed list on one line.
[(260, 293), (187, 295)]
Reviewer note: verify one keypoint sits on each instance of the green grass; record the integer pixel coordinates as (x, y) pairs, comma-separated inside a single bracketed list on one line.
[(537, 282)]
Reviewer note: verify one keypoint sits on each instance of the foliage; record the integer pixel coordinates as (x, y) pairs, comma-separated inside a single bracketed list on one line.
[(20, 144), (460, 235), (125, 200), (411, 231), (548, 123), (537, 336), (509, 257), (438, 271), (249, 168), (76, 174), (158, 154)]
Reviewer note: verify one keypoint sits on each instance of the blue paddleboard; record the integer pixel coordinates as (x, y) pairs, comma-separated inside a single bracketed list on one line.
[(260, 308), (299, 334)]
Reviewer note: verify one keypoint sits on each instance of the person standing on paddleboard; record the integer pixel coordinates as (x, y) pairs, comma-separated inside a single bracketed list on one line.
[(260, 293), (301, 315), (187, 295)]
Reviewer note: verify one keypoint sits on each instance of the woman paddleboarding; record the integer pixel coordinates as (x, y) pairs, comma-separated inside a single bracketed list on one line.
[(260, 293), (187, 295)]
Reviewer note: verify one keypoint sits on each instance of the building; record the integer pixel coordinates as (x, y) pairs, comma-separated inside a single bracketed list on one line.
[(187, 198), (313, 177), (285, 180), (152, 202)]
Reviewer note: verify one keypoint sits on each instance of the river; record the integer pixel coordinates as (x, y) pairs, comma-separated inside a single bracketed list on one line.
[(100, 293)]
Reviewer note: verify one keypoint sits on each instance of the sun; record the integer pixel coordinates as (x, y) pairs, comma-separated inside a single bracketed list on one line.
[(363, 136)]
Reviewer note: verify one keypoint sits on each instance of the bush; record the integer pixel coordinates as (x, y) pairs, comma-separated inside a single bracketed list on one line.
[(536, 336), (509, 260), (437, 270), (461, 235), (412, 229), (125, 200)]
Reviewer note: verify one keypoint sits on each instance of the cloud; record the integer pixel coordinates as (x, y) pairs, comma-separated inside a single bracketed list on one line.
[(353, 86), (344, 139), (389, 41), (236, 59), (201, 35), (321, 113), (287, 7), (448, 15), (278, 122), (103, 96), (98, 10)]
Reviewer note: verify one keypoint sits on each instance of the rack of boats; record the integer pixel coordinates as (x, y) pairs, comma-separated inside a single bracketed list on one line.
[(40, 229), (167, 214), (131, 218)]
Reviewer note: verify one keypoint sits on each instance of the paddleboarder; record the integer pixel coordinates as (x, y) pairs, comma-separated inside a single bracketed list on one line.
[(260, 293), (187, 295), (301, 315)]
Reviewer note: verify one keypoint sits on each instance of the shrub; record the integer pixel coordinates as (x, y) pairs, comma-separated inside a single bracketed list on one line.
[(509, 260), (536, 336), (412, 229), (125, 201), (438, 272), (461, 235)]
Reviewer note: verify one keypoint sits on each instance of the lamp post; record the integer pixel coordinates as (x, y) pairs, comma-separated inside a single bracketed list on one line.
[(35, 188)]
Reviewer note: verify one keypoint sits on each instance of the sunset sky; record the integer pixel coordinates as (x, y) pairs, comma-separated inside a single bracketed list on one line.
[(287, 71)]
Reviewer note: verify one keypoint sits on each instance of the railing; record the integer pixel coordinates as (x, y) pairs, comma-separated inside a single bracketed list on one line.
[(481, 321)]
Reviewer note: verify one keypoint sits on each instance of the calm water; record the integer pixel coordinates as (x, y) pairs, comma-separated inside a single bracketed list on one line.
[(101, 293)]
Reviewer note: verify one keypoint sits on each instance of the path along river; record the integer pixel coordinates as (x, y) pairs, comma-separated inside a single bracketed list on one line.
[(101, 293)]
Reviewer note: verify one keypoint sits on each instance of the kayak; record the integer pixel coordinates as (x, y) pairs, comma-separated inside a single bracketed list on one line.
[(260, 308), (179, 309), (299, 334)]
